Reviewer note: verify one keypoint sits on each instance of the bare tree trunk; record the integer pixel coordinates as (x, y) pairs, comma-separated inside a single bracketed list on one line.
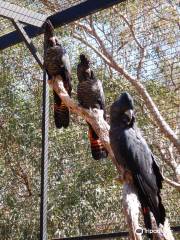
[(131, 208)]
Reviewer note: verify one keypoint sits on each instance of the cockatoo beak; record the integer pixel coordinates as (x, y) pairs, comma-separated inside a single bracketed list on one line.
[(88, 71), (53, 41), (129, 113)]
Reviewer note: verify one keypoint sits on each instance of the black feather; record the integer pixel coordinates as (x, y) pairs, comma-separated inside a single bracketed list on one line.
[(91, 95), (57, 63), (133, 153)]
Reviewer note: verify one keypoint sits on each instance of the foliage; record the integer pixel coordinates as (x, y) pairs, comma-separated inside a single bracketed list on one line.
[(83, 198)]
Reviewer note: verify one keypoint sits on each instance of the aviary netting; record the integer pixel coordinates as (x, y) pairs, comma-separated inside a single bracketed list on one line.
[(150, 29)]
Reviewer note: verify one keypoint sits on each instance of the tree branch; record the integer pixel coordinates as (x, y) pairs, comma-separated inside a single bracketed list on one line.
[(25, 179), (167, 156), (131, 30), (139, 67), (131, 207), (172, 183), (160, 122), (95, 118)]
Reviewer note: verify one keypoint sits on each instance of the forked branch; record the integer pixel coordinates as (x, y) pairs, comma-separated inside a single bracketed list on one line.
[(109, 60)]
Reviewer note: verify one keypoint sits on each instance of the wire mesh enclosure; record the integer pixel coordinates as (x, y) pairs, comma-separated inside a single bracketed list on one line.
[(133, 46)]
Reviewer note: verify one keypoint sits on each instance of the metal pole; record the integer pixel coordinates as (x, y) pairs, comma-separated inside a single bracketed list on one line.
[(44, 161)]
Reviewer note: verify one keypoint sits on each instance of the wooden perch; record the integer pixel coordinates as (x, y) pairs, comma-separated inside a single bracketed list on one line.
[(93, 116), (131, 204), (131, 207)]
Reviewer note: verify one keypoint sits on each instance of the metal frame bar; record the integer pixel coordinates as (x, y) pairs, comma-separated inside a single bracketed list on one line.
[(59, 19), (14, 12), (97, 236), (122, 234), (28, 42)]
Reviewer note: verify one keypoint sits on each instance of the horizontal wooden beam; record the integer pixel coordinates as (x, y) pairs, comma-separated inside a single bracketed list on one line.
[(59, 19)]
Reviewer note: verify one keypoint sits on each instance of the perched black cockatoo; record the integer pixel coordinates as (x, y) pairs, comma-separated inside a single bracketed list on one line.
[(91, 95), (132, 152), (57, 63)]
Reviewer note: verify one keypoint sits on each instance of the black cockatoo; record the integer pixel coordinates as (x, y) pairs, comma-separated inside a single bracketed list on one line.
[(133, 153), (91, 95), (57, 62)]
